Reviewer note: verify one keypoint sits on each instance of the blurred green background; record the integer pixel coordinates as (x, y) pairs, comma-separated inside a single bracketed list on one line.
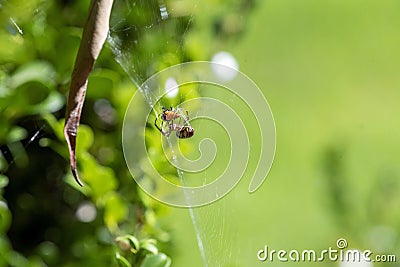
[(329, 70)]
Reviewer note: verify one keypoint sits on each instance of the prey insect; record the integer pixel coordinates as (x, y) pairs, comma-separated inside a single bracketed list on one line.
[(168, 117)]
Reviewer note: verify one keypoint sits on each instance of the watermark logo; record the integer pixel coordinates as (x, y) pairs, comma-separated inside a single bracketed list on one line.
[(240, 153), (341, 243), (338, 253)]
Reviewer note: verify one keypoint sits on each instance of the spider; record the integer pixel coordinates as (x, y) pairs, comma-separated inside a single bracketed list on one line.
[(168, 116)]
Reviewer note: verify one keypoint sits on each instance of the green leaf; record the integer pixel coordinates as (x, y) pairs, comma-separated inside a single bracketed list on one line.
[(31, 93), (122, 262), (57, 126), (128, 242), (40, 71), (16, 134), (3, 181), (100, 179), (32, 97), (3, 163), (5, 217), (16, 259), (149, 245), (159, 260), (12, 48), (17, 148), (115, 211), (101, 83), (85, 138), (52, 103)]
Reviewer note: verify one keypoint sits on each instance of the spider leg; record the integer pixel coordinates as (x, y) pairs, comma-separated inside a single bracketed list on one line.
[(165, 133), (159, 128), (187, 117)]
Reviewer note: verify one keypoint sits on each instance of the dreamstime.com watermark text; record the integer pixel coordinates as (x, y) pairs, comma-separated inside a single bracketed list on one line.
[(339, 253)]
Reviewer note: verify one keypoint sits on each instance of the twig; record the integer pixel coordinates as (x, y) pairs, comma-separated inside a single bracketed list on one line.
[(93, 38)]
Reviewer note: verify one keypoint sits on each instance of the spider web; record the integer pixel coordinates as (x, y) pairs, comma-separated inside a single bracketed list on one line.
[(217, 238)]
